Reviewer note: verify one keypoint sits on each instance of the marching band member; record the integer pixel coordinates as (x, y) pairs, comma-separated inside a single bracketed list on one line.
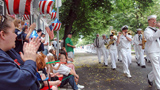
[(106, 50), (135, 47), (113, 51), (124, 40), (152, 35), (140, 51), (99, 44), (118, 52), (130, 55)]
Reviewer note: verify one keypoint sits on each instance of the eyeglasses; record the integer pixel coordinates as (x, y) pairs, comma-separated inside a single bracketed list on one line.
[(2, 20)]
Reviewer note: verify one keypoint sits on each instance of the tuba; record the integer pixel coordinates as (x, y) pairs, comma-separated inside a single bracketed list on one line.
[(110, 43), (143, 41)]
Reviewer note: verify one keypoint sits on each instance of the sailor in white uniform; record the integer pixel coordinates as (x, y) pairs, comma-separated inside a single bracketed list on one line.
[(99, 44), (113, 51), (152, 35), (106, 50), (138, 43), (124, 40)]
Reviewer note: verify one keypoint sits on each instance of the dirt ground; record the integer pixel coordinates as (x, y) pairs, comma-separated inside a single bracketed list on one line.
[(95, 76)]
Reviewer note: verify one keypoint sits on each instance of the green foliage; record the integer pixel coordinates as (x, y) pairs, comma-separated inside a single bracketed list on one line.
[(96, 16)]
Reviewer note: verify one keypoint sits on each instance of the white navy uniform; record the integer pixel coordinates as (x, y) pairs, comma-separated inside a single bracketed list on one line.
[(125, 46), (130, 47), (99, 44), (135, 48), (113, 53), (106, 51), (140, 51), (153, 43)]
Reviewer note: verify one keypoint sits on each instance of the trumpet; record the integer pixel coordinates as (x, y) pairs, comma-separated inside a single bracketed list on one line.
[(110, 43)]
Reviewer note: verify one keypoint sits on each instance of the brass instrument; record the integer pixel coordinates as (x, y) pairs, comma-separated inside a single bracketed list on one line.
[(110, 43), (143, 41), (113, 32)]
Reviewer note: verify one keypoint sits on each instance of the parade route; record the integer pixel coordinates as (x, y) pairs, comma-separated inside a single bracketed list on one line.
[(95, 76)]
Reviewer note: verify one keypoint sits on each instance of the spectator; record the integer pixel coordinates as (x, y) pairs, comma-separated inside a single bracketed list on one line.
[(69, 46), (54, 43), (39, 32), (50, 46), (45, 43), (40, 61), (66, 72), (12, 76), (22, 35)]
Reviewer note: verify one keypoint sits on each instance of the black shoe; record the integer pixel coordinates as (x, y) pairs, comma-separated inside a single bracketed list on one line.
[(149, 61), (106, 65), (113, 68), (138, 64), (143, 66), (145, 59), (120, 60), (149, 82), (99, 62)]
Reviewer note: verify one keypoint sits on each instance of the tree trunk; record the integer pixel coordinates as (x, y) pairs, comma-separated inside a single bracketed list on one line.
[(71, 18)]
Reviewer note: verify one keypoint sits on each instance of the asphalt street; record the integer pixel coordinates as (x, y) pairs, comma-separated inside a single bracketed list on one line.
[(95, 76)]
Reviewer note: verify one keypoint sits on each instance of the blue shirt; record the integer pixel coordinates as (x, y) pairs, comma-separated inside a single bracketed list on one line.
[(13, 77)]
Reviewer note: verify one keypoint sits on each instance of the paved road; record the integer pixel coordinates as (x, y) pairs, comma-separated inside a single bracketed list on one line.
[(96, 76)]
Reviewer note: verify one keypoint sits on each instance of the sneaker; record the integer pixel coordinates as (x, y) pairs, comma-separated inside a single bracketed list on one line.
[(80, 86), (129, 76), (143, 66)]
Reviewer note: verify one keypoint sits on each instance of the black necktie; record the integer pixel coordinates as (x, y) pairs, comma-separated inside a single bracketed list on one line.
[(139, 37), (155, 30), (97, 42)]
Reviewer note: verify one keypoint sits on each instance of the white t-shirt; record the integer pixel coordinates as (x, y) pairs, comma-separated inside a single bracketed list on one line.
[(63, 69), (45, 47)]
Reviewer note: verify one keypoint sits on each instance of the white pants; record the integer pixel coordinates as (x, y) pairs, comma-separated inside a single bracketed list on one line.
[(70, 55), (136, 52), (119, 55), (99, 51), (141, 60), (125, 59), (155, 73), (113, 55), (130, 56)]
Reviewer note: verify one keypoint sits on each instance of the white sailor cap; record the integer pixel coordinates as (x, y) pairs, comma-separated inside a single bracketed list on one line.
[(139, 29), (125, 26), (152, 16)]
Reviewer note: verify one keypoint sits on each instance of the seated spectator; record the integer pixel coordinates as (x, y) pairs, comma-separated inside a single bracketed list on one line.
[(12, 76), (52, 51), (67, 72), (41, 68)]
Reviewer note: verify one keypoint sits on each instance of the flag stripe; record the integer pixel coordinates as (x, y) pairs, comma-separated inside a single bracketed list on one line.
[(16, 6), (21, 6), (44, 2), (48, 7), (7, 5), (28, 7)]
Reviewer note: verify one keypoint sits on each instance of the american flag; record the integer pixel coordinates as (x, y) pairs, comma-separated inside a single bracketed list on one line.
[(56, 24), (19, 6), (45, 6), (26, 17), (53, 14)]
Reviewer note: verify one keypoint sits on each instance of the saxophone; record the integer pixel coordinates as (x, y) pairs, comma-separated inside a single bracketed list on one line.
[(110, 43), (143, 41)]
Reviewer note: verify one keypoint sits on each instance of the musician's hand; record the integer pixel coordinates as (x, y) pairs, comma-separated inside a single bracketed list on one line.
[(124, 33), (119, 34), (158, 24), (140, 44)]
